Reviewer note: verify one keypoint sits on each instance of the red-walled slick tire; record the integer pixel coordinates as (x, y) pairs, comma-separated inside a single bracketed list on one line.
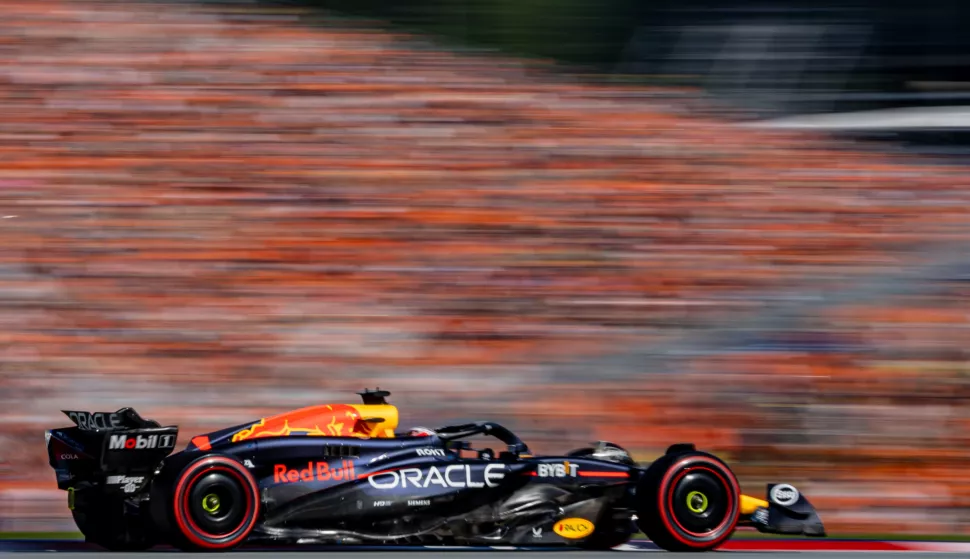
[(215, 504), (689, 502)]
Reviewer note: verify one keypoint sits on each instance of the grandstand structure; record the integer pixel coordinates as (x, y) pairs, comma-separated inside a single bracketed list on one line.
[(212, 212)]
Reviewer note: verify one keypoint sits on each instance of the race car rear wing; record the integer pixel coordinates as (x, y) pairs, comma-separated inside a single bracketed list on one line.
[(104, 443), (103, 421)]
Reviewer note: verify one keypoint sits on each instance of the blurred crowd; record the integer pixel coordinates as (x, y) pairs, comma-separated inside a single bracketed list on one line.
[(211, 212)]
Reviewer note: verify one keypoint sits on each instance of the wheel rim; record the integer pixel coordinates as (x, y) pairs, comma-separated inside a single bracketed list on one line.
[(697, 502), (700, 502), (210, 503), (216, 503)]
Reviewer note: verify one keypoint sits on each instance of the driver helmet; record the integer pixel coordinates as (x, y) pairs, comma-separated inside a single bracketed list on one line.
[(421, 432)]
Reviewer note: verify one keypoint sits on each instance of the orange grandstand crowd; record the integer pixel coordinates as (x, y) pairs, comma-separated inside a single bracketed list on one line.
[(211, 213)]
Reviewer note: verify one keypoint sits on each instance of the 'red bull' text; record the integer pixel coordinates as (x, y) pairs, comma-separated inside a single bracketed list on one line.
[(319, 471)]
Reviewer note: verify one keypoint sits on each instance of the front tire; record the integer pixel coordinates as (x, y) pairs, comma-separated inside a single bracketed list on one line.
[(215, 504), (689, 502)]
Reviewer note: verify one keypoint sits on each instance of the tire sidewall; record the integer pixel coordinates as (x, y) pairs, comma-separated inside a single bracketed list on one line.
[(187, 534), (654, 492)]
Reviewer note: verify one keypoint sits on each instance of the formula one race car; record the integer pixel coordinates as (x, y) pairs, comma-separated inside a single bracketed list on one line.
[(339, 473)]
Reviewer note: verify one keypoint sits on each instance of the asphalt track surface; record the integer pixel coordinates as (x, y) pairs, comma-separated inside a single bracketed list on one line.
[(485, 554), (734, 549), (27, 549)]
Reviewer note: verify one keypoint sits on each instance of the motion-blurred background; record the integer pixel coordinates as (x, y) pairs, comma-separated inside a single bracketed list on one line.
[(742, 224)]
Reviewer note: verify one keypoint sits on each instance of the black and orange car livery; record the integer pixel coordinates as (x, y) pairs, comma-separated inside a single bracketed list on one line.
[(341, 473)]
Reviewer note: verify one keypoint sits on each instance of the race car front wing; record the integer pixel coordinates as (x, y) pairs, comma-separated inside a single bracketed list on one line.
[(786, 511)]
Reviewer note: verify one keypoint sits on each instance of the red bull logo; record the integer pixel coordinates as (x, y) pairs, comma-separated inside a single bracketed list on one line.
[(336, 420), (314, 471)]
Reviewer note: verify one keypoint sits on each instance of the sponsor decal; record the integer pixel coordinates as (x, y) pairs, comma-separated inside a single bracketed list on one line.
[(760, 516), (130, 483), (67, 447), (62, 437), (573, 528), (431, 452), (379, 458), (557, 470), (456, 475), (90, 421), (382, 503), (319, 471), (784, 494), (140, 442), (249, 464), (419, 503), (537, 533)]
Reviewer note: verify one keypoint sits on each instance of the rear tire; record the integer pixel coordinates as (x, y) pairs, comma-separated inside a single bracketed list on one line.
[(215, 504), (688, 502)]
